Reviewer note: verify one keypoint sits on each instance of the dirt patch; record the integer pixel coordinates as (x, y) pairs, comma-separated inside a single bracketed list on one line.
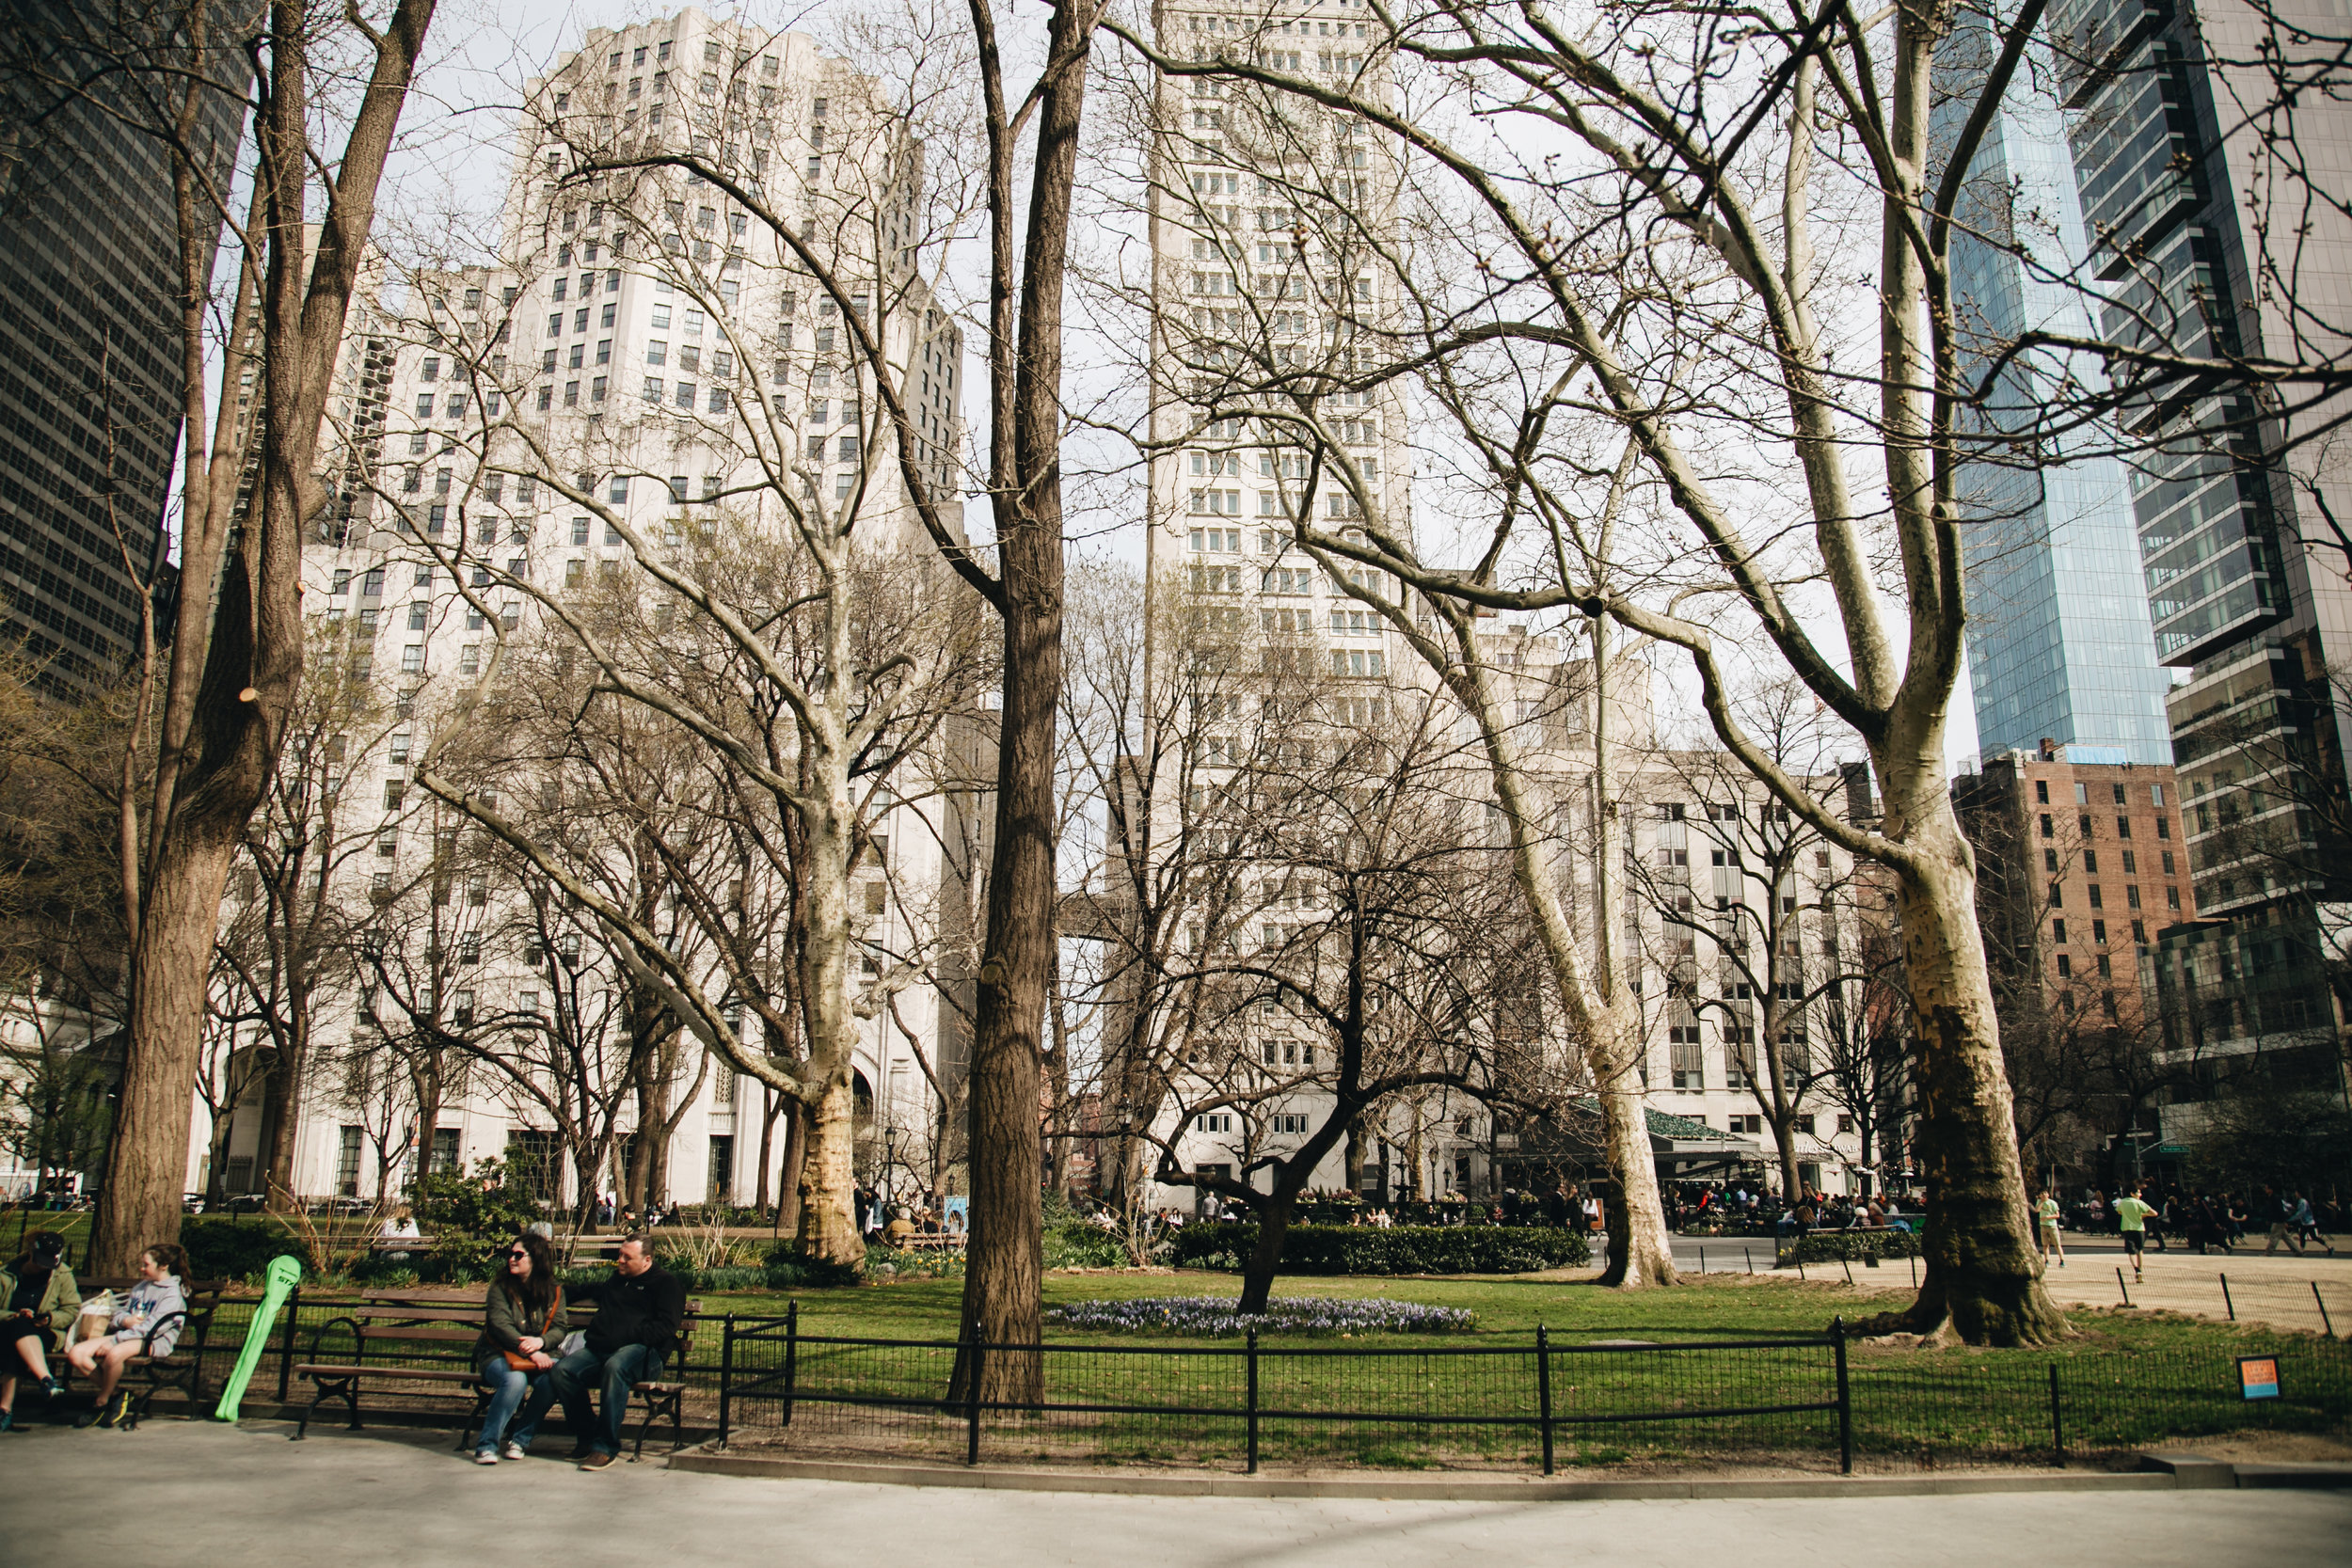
[(2269, 1448)]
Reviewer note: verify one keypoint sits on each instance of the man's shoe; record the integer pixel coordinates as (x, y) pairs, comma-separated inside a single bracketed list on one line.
[(598, 1461), (8, 1419), (483, 1456), (580, 1453), (52, 1389), (511, 1450), (117, 1410)]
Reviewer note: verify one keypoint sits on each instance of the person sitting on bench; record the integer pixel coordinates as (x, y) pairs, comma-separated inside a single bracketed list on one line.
[(523, 1306), (161, 1294), (640, 1311), (40, 1293)]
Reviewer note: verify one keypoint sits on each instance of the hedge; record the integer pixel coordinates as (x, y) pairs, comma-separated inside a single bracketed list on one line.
[(1852, 1247), (234, 1250), (1405, 1249)]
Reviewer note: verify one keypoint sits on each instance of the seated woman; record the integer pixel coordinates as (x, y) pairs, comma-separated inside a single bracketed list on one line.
[(40, 1294), (518, 1317), (156, 1307)]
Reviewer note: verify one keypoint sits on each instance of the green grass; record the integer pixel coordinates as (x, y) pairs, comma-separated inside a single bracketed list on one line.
[(2128, 1378)]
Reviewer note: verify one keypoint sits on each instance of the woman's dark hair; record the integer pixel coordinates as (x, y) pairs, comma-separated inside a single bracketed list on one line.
[(173, 1259), (536, 1295)]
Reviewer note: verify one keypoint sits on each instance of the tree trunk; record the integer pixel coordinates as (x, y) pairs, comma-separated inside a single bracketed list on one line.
[(768, 1098), (283, 1117), (828, 1230), (1983, 1274), (789, 1178), (1785, 1141), (1641, 1253), (1005, 1259), (148, 1157)]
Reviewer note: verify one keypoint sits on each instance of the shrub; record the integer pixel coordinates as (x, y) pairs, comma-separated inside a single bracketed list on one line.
[(1831, 1247), (1406, 1249), (1073, 1243), (1283, 1315), (785, 1266), (234, 1250)]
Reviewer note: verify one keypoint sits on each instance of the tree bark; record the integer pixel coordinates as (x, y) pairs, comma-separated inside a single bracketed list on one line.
[(828, 1230), (1005, 1259), (1983, 1276), (249, 624)]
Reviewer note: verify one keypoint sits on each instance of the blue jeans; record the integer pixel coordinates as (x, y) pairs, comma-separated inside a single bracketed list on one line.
[(575, 1376), (508, 1386)]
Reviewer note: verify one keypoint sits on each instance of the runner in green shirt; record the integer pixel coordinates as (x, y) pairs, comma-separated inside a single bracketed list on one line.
[(2131, 1214), (2047, 1211)]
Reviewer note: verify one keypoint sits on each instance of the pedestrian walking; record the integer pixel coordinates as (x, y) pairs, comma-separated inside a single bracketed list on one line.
[(2047, 1209), (2131, 1218)]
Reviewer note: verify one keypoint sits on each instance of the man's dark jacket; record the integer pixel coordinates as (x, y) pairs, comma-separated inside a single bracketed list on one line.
[(648, 1310)]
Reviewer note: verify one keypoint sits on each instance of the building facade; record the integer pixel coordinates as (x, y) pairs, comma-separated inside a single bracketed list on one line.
[(2172, 126), (2059, 644), (92, 372), (648, 340)]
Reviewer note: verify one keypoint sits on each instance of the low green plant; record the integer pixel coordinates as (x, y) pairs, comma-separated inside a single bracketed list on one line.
[(1831, 1247), (1073, 1243)]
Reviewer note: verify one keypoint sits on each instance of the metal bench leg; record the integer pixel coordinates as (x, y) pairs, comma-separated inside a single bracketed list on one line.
[(480, 1409)]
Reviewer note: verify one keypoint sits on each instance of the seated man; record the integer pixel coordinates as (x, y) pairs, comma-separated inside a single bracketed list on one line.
[(639, 1314)]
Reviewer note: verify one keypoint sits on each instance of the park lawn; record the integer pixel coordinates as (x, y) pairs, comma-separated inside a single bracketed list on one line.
[(2128, 1378)]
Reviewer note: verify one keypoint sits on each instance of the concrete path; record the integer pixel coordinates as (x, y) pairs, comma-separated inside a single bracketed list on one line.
[(179, 1492)]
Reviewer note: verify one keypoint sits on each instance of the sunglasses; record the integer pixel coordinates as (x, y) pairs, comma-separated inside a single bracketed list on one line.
[(519, 1253)]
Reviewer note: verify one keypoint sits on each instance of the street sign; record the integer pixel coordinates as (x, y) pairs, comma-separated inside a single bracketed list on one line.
[(2258, 1377)]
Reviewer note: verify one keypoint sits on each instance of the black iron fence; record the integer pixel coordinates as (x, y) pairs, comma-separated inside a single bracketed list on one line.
[(1810, 1401), (1251, 1402)]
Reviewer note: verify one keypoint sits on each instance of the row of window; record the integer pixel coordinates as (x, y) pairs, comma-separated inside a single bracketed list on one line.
[(2087, 826)]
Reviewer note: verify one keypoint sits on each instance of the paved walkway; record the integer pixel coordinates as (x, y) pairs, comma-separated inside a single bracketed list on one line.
[(178, 1491)]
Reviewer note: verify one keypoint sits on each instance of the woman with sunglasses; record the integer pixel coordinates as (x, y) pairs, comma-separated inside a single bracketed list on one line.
[(519, 1316)]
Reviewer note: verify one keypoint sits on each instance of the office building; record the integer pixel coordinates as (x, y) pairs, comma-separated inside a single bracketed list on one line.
[(91, 360), (2059, 644)]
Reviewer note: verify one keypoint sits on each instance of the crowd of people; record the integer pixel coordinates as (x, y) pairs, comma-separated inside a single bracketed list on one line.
[(2217, 1221)]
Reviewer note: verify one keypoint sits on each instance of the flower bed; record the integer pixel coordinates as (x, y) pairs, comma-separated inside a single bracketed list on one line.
[(1216, 1315), (1406, 1249)]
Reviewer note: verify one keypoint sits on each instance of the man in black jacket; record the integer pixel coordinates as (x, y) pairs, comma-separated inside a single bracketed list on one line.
[(640, 1311)]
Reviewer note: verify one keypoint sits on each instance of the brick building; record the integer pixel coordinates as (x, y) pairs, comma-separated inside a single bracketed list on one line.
[(2080, 865)]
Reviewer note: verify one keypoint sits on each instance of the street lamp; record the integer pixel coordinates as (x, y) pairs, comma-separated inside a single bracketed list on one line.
[(890, 1155)]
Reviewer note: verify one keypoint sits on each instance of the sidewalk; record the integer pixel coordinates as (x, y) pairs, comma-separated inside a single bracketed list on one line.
[(206, 1494), (2275, 1292)]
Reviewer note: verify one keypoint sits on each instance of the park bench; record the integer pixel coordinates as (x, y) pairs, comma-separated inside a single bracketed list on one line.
[(183, 1367), (444, 1325)]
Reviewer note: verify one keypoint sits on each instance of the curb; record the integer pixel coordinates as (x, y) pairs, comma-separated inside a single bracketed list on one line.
[(2160, 1473)]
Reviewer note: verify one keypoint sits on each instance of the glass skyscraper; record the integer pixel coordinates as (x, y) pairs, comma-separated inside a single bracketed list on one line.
[(2060, 642)]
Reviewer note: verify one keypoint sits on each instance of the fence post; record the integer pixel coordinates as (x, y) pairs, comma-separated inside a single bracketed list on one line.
[(286, 1343), (2325, 1322), (727, 1376), (1543, 1390), (2121, 1286), (1845, 1399), (1253, 1402), (2225, 1298), (791, 1356), (972, 1403), (2058, 1425)]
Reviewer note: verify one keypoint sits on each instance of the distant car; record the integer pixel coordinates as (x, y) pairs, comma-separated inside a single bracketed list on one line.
[(245, 1203)]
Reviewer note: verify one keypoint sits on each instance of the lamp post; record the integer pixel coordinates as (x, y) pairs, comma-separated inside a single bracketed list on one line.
[(890, 1155)]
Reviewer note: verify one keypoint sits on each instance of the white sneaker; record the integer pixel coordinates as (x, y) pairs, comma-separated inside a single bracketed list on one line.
[(511, 1450), (483, 1456)]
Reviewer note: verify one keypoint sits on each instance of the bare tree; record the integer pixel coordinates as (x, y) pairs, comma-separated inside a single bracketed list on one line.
[(234, 664)]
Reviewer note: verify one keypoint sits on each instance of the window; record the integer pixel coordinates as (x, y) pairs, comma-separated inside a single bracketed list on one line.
[(2048, 828), (617, 492), (2156, 796), (1288, 1121), (2065, 967), (2168, 864), (2049, 860), (2095, 897), (2164, 826), (2042, 792), (1217, 1121), (2091, 861)]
